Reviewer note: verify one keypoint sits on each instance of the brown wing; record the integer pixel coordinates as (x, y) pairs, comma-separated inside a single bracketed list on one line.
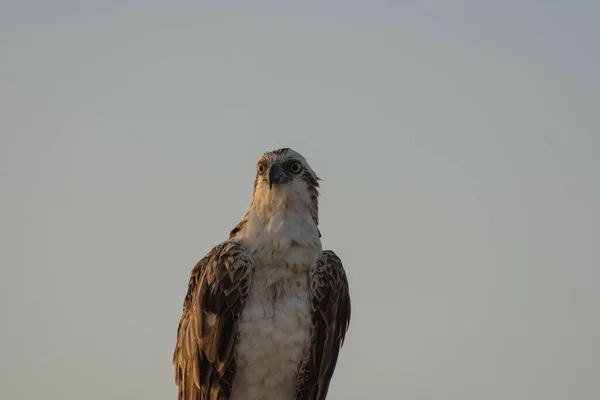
[(204, 354), (331, 317)]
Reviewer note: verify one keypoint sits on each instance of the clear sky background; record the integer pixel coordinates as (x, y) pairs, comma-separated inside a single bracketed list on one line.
[(459, 146)]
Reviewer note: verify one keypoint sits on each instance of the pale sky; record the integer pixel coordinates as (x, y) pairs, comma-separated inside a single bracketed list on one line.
[(459, 146)]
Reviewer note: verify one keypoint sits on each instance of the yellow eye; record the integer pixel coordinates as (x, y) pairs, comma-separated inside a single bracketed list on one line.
[(296, 167), (261, 168)]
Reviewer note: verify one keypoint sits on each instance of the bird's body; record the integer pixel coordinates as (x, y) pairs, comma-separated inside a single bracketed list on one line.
[(263, 305), (274, 328)]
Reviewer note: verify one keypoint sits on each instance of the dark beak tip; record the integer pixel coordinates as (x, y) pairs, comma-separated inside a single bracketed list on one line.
[(275, 175)]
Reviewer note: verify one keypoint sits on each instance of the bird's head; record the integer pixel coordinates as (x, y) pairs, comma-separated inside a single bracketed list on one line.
[(284, 180)]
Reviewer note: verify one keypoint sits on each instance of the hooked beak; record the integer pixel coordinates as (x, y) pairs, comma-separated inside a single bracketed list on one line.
[(276, 175)]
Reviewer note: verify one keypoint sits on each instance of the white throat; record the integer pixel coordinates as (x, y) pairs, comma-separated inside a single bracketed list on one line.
[(280, 230)]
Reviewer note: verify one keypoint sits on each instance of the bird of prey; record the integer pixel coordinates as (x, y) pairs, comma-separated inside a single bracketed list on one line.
[(266, 311)]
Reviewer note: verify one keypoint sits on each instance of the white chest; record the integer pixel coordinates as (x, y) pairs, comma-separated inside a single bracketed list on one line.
[(274, 333), (274, 328)]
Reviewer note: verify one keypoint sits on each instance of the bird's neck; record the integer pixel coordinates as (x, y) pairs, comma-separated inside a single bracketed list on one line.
[(279, 231), (279, 220)]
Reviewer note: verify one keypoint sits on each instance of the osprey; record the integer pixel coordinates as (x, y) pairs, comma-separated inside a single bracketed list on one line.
[(266, 312)]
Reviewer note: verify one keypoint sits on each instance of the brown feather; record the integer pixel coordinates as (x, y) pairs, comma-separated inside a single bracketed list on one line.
[(330, 298), (217, 291)]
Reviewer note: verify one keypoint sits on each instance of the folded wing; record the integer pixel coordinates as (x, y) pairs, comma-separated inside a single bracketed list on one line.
[(204, 357), (330, 299)]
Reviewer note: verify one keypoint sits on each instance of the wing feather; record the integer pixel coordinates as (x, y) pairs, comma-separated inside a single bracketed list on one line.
[(204, 353), (330, 298)]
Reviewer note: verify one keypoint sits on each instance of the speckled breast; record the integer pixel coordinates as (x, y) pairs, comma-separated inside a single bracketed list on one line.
[(274, 334)]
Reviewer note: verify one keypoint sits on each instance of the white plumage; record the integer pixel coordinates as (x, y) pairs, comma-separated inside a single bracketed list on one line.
[(274, 328)]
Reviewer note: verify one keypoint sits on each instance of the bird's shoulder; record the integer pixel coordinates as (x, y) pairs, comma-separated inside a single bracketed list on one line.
[(227, 262), (328, 275)]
